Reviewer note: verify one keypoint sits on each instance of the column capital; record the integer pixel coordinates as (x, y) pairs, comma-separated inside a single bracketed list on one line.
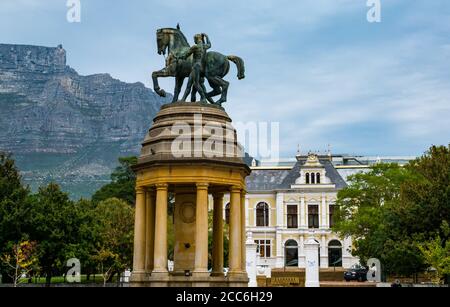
[(235, 189), (140, 190), (218, 195), (162, 186), (202, 186)]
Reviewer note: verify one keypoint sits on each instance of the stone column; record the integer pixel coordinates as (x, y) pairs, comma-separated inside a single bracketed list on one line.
[(323, 213), (217, 252), (150, 231), (201, 232), (235, 232), (280, 261), (160, 258), (243, 232), (324, 253), (139, 233), (303, 213)]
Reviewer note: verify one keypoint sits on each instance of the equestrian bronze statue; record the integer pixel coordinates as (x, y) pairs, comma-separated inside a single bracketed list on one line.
[(195, 63)]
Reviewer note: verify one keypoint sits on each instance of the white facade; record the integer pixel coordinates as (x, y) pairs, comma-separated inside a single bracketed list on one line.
[(281, 219)]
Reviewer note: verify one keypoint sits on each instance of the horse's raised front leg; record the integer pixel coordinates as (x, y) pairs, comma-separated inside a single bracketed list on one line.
[(163, 73)]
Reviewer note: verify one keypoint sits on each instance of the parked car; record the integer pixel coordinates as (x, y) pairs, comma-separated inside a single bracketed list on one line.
[(356, 272)]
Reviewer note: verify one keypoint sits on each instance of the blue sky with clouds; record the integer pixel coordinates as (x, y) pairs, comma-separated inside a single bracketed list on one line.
[(316, 66)]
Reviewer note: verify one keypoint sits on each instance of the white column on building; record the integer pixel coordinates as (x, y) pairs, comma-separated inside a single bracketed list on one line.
[(303, 212), (280, 251), (247, 213), (280, 225), (323, 253), (280, 210), (323, 212), (301, 252)]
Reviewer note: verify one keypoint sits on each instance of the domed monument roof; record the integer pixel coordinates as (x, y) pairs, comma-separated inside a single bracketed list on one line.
[(191, 132)]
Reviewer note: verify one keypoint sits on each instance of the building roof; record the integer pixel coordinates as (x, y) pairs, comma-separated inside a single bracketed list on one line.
[(267, 179)]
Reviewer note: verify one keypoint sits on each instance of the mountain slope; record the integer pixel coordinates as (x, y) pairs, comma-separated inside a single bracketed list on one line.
[(64, 127)]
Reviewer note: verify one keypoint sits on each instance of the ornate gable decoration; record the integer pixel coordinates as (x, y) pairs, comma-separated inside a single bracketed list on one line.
[(313, 161)]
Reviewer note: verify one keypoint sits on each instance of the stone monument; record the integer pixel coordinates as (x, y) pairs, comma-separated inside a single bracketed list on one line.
[(312, 263), (190, 155)]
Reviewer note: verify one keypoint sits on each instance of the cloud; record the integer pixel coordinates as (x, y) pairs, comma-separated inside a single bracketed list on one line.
[(316, 66)]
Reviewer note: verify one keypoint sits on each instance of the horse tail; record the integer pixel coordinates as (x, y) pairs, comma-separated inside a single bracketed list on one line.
[(240, 65)]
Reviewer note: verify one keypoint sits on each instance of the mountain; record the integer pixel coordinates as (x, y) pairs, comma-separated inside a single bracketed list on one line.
[(64, 127)]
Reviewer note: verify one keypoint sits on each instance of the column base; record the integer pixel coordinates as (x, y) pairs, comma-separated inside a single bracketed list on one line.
[(160, 274), (201, 274), (238, 275), (138, 276), (312, 284), (217, 274), (239, 280)]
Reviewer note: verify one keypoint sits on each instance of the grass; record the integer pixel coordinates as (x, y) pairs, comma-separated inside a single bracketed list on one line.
[(61, 280)]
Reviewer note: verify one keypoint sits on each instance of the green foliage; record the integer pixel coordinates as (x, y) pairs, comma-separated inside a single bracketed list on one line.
[(61, 228), (115, 227), (123, 183), (14, 208), (437, 254), (20, 260), (391, 211), (55, 223)]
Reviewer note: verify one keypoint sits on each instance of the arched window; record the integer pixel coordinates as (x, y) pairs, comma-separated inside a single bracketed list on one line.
[(318, 178), (307, 178), (335, 254), (291, 253), (227, 214), (313, 178), (262, 215)]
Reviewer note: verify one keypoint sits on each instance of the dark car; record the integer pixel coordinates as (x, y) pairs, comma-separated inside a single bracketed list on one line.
[(356, 272)]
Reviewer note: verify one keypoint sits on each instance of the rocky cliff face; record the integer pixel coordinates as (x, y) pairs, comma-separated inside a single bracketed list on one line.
[(64, 127)]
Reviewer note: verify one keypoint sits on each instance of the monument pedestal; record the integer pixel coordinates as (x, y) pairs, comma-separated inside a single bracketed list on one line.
[(190, 153)]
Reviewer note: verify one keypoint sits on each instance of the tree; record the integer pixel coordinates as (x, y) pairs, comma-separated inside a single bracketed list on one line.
[(393, 213), (21, 260), (365, 212), (14, 207), (123, 183), (54, 218), (437, 255), (108, 262), (115, 227), (425, 201), (85, 217)]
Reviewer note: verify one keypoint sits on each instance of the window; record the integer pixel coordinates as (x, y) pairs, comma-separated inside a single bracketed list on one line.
[(331, 215), (262, 215), (263, 248), (292, 216), (335, 254), (318, 178), (313, 216), (227, 214), (307, 178), (313, 178), (291, 253)]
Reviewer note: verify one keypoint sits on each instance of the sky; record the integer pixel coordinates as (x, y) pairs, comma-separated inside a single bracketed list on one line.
[(317, 67)]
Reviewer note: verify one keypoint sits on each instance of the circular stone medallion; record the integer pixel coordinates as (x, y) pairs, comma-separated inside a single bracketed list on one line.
[(187, 213)]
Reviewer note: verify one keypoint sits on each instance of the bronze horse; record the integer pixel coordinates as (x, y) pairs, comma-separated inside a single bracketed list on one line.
[(173, 43)]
